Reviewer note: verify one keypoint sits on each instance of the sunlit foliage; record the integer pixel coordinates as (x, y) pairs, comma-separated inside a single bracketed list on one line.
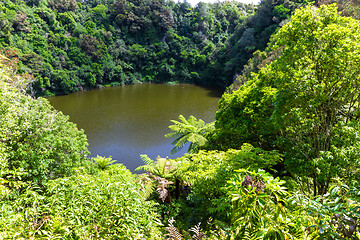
[(189, 131), (306, 102), (70, 46)]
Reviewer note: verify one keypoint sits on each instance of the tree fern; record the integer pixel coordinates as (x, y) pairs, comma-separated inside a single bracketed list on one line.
[(191, 131), (162, 173), (162, 167), (103, 162)]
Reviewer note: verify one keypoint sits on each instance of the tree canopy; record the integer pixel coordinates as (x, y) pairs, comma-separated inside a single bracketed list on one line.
[(70, 46), (293, 122), (306, 102)]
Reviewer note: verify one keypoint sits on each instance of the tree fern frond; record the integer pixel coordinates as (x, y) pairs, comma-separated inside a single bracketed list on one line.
[(183, 119), (189, 130), (173, 135), (149, 164), (149, 187), (147, 160), (179, 143), (192, 120), (175, 122), (198, 235), (208, 127), (200, 123), (175, 150), (161, 166), (173, 232), (197, 139), (183, 128), (177, 139), (192, 148), (182, 140), (179, 127)]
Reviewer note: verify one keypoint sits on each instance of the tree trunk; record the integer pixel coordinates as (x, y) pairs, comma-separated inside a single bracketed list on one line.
[(177, 188)]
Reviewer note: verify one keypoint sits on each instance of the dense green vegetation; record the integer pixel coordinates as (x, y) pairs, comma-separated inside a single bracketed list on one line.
[(299, 111), (48, 188), (281, 160), (306, 102), (69, 46)]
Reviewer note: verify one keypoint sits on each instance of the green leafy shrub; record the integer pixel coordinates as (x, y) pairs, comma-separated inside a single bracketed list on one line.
[(258, 207), (37, 138), (207, 173), (21, 213), (107, 205), (336, 215)]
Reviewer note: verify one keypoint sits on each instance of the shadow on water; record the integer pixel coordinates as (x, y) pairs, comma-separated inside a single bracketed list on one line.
[(213, 91)]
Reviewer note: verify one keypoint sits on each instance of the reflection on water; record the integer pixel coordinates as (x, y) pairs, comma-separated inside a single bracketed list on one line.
[(124, 122)]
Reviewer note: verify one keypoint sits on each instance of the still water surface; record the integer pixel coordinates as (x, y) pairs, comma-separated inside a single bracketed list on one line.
[(124, 122)]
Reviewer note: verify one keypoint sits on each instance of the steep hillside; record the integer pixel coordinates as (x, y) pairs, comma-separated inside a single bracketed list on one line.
[(70, 46)]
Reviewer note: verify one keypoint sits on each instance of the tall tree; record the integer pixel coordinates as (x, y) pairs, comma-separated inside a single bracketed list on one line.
[(306, 102)]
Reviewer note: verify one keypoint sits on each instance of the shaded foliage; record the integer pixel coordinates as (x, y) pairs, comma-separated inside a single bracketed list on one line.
[(71, 46), (300, 96), (104, 204), (207, 172)]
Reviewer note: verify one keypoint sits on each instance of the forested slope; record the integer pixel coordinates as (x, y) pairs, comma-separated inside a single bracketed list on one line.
[(74, 45), (280, 162)]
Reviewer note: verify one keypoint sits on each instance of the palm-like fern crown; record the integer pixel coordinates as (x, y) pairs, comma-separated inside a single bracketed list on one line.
[(162, 167), (161, 171), (189, 130), (103, 162)]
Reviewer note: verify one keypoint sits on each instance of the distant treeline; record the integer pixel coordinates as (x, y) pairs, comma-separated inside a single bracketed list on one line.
[(70, 45)]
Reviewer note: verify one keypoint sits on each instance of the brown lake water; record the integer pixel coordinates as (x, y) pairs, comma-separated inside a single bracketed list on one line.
[(126, 121)]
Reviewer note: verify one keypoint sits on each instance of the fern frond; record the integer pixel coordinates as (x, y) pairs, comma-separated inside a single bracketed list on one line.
[(149, 187), (179, 127), (173, 232), (149, 164), (183, 119), (162, 187), (208, 127), (192, 120), (173, 135), (198, 139), (103, 162), (146, 159), (175, 150), (179, 143), (198, 235), (190, 130)]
